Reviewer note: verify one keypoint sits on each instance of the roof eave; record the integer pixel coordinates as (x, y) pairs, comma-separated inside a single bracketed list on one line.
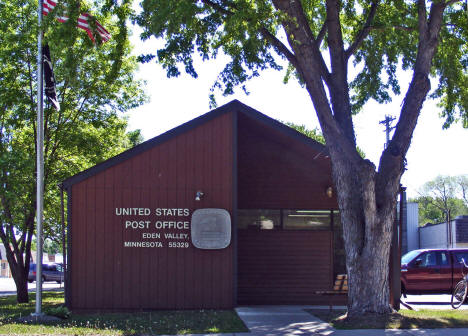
[(234, 105)]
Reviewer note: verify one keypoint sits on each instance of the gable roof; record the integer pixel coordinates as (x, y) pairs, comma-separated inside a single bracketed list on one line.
[(233, 106)]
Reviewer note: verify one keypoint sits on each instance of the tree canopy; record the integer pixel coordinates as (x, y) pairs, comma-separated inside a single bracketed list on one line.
[(321, 41), (378, 37), (443, 195), (313, 134), (95, 85)]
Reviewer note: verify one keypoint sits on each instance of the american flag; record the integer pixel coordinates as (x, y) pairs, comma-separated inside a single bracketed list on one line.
[(83, 21)]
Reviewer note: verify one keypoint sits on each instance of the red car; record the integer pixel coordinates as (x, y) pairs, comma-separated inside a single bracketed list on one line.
[(431, 270)]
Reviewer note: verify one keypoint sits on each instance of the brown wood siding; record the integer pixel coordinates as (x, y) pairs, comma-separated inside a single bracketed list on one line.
[(283, 267), (278, 172), (107, 275)]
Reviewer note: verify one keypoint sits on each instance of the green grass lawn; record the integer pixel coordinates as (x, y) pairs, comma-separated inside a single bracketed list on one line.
[(155, 322), (404, 319)]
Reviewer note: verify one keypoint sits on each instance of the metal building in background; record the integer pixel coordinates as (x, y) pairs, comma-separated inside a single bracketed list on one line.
[(410, 227), (437, 235)]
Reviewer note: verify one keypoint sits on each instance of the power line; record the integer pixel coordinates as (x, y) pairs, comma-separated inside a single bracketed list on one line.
[(388, 127)]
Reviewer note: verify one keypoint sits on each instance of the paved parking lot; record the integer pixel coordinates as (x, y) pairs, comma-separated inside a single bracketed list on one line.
[(440, 301), (7, 286)]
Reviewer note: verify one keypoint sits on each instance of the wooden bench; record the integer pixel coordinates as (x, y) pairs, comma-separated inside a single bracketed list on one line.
[(339, 288)]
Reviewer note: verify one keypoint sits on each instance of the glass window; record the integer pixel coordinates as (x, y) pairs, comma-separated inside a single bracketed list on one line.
[(409, 256), (443, 258), (306, 219), (259, 219), (461, 255), (428, 259)]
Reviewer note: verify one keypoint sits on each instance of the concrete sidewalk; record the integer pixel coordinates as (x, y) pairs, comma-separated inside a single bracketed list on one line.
[(293, 320)]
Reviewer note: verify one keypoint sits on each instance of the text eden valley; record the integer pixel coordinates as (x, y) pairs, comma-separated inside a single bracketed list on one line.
[(152, 237)]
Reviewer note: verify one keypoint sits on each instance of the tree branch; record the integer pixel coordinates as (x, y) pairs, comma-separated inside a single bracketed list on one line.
[(31, 91), (451, 2), (464, 194), (405, 28), (265, 33), (12, 239), (422, 19), (321, 34), (303, 41), (217, 7), (4, 200), (335, 36), (364, 31), (308, 54), (85, 99), (29, 221), (392, 160), (2, 125), (274, 41), (3, 236), (339, 89), (281, 48)]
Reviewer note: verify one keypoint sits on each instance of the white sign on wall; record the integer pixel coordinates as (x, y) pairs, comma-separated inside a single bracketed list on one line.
[(157, 228)]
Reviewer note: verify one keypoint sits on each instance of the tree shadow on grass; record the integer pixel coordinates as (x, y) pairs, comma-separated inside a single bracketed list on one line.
[(9, 308), (425, 319), (152, 322)]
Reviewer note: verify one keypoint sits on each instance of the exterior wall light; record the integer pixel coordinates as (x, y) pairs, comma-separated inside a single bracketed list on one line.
[(199, 195), (329, 192)]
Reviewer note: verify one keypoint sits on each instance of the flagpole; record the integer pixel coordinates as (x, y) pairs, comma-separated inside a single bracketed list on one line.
[(40, 162)]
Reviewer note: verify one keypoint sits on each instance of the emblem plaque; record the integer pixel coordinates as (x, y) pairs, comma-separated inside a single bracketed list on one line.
[(211, 229)]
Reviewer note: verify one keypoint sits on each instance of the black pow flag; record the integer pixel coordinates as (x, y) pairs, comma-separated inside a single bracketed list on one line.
[(49, 78)]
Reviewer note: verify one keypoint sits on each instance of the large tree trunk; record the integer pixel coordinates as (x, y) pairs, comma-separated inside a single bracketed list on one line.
[(366, 197), (367, 214), (19, 272), (22, 289), (18, 259)]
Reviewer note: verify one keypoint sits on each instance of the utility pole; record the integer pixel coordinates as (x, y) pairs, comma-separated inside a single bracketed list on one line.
[(395, 249), (388, 127)]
